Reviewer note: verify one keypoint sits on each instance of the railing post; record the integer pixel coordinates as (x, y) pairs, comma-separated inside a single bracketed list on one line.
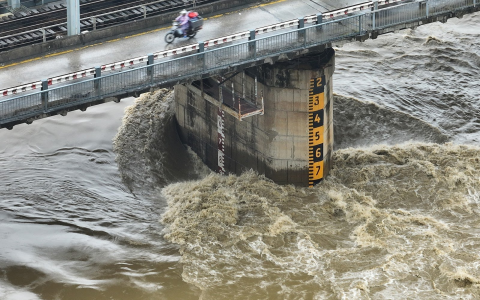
[(201, 47), (44, 94), (301, 23), (319, 21), (97, 83), (43, 34), (426, 8), (360, 24), (252, 47), (201, 56), (94, 23), (144, 11), (150, 68), (301, 30), (374, 14), (474, 3)]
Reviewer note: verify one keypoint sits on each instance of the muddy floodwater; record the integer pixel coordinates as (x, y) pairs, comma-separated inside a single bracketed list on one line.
[(108, 204)]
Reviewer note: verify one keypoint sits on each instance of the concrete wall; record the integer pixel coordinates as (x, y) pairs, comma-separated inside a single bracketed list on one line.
[(275, 144), (115, 31)]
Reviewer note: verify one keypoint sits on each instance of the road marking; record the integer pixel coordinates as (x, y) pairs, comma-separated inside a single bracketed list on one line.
[(130, 36)]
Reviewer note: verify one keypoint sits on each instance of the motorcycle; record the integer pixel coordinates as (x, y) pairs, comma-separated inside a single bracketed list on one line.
[(194, 27)]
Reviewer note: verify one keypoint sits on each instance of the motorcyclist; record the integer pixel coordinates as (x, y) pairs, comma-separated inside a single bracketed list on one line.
[(182, 20)]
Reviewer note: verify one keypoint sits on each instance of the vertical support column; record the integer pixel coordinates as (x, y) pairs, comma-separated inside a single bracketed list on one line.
[(44, 94), (14, 3), (97, 83), (150, 67), (316, 120), (374, 15), (252, 44), (319, 21), (73, 17)]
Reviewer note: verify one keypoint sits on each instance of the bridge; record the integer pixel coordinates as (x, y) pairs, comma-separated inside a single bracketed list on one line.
[(225, 54), (222, 70)]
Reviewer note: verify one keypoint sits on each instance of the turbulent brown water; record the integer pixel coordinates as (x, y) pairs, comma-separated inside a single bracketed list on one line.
[(398, 218), (391, 222)]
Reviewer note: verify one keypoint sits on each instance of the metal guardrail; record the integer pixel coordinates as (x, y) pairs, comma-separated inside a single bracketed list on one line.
[(418, 10), (169, 72)]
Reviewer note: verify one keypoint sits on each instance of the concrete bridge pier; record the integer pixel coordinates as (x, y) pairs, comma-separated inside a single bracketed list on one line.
[(276, 119)]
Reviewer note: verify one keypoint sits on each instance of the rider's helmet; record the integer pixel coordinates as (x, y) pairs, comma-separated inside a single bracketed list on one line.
[(183, 12)]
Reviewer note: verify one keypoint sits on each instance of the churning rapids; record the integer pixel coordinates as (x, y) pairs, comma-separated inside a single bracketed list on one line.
[(141, 218)]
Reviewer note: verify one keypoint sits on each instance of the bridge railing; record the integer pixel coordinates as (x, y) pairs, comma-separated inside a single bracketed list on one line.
[(172, 71), (440, 6), (403, 13)]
